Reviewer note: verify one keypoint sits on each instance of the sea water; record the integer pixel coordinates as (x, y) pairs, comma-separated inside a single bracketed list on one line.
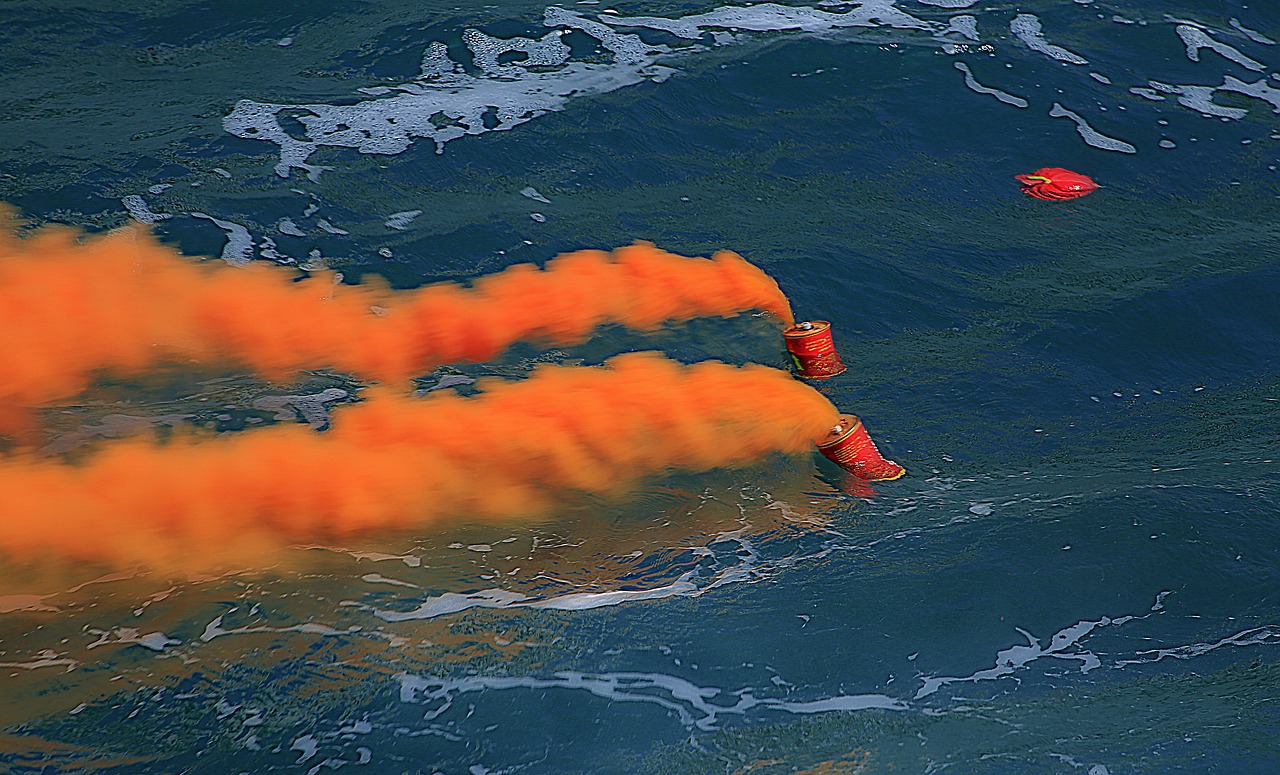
[(1079, 573)]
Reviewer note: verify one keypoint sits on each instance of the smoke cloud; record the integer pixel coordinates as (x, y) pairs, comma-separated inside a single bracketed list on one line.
[(76, 307), (395, 461)]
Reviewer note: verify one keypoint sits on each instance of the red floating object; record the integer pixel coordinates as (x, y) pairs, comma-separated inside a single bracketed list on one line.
[(849, 446), (812, 350), (1055, 184)]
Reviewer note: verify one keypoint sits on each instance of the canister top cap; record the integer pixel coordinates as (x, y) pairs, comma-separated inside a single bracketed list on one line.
[(845, 423)]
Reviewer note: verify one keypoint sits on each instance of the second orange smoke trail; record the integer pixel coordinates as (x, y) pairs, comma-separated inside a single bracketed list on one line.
[(395, 461)]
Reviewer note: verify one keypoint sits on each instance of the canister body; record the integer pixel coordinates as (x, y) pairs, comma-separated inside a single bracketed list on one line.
[(812, 350), (849, 446)]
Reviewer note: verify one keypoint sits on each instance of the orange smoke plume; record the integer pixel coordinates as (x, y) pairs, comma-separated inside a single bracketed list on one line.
[(395, 461), (121, 303)]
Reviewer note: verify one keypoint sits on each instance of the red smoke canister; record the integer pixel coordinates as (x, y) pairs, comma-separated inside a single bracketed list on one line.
[(812, 350), (848, 446)]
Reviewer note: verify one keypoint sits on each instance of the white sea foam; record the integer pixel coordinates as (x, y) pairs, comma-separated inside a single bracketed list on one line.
[(1256, 636), (973, 84), (1064, 644), (547, 51), (378, 578), (287, 226), (1150, 94), (533, 194), (771, 17), (1026, 28), (965, 24), (1092, 136), (1254, 35), (111, 426), (267, 249), (1258, 89), (156, 641), (412, 561), (454, 602), (139, 211), (695, 706), (45, 658), (1195, 39), (445, 102), (214, 629), (581, 601), (843, 702), (448, 381), (1015, 658), (239, 248), (329, 227), (400, 221), (1068, 644), (25, 602), (747, 567), (313, 407), (1198, 98)]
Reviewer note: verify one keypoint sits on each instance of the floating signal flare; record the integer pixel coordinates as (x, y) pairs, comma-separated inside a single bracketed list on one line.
[(123, 302), (1055, 183), (396, 461), (812, 350), (849, 446)]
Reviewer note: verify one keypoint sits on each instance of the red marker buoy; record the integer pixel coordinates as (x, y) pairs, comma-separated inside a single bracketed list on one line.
[(849, 446), (1056, 184), (812, 350)]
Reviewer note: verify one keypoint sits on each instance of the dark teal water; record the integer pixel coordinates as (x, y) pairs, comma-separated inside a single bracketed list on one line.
[(1080, 571)]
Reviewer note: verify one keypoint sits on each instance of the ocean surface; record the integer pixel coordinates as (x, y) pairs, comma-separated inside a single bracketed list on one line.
[(1080, 572)]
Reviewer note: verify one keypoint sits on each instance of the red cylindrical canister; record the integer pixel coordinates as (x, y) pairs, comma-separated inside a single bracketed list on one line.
[(848, 446), (812, 350)]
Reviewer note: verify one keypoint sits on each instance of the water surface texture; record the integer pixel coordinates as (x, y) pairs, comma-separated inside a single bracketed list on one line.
[(1079, 573)]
